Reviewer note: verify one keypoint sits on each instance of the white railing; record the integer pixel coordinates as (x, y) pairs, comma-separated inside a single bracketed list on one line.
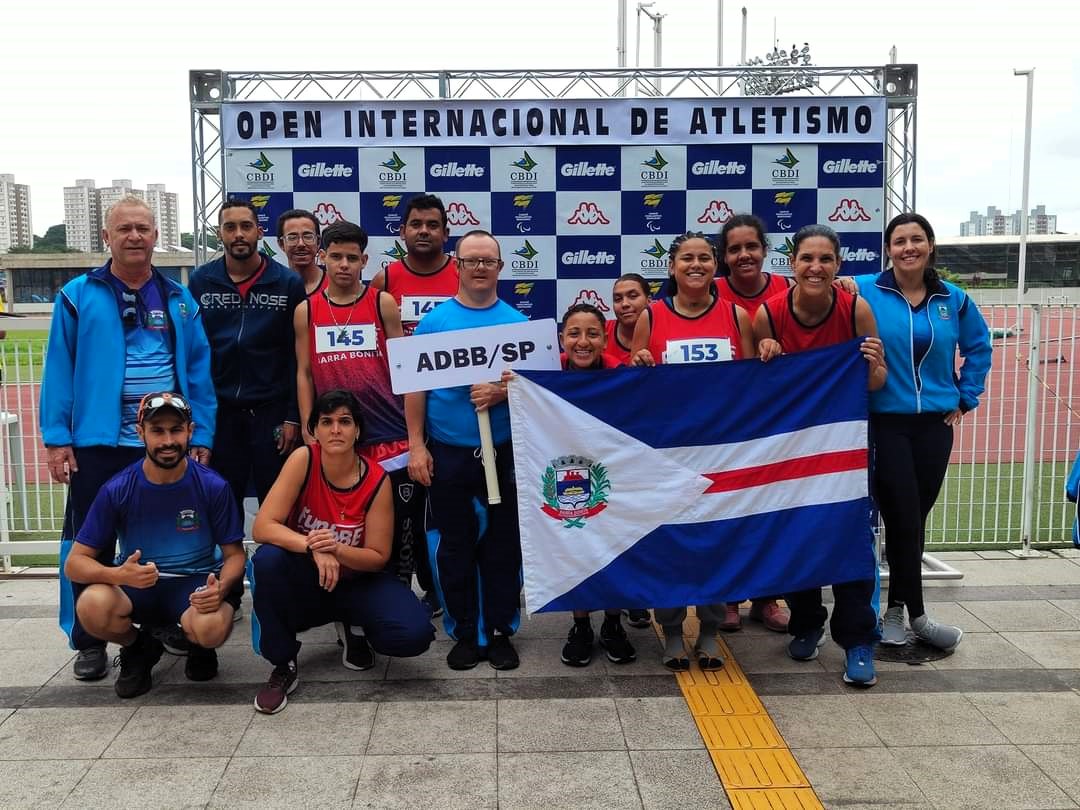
[(981, 505)]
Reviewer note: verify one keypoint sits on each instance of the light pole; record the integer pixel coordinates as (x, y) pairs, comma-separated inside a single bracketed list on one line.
[(657, 19), (1022, 271)]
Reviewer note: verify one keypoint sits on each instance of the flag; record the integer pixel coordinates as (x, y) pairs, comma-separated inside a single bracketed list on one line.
[(692, 484)]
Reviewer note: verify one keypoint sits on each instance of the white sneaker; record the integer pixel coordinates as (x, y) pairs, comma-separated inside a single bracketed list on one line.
[(943, 636), (893, 633)]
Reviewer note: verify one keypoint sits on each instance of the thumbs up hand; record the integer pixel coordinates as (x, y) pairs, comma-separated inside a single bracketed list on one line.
[(137, 575), (207, 598)]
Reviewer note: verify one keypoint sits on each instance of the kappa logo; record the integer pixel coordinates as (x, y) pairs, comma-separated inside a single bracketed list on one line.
[(523, 287), (458, 213), (327, 214), (396, 253), (260, 200), (652, 200), (716, 213), (263, 164), (784, 197), (787, 160), (592, 298), (656, 250), (391, 200), (527, 251), (405, 492), (656, 162), (574, 489), (525, 162), (394, 164), (588, 213), (849, 210), (187, 520), (523, 200)]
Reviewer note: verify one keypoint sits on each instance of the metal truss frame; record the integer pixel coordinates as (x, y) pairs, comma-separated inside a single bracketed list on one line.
[(210, 88)]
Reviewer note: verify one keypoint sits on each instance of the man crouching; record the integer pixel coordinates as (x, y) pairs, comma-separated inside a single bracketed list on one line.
[(170, 514)]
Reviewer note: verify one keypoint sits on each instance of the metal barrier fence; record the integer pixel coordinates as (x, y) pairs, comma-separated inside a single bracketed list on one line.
[(982, 505)]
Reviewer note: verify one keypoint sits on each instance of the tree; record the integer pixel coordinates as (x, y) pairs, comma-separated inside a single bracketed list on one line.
[(187, 240), (54, 241)]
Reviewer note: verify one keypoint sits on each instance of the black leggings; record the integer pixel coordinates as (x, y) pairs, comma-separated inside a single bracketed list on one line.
[(911, 455)]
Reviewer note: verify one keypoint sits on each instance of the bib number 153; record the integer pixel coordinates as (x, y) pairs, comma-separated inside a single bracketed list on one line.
[(698, 350)]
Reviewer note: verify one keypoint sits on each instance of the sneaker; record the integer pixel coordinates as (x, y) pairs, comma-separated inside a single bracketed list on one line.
[(860, 666), (201, 664), (173, 639), (893, 633), (943, 636), (805, 647), (464, 655), (614, 642), (770, 614), (431, 601), (577, 651), (274, 697), (91, 664), (136, 663), (732, 620), (356, 653), (638, 618), (501, 653)]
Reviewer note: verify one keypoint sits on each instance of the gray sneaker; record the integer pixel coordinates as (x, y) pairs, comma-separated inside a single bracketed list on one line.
[(943, 636), (893, 633)]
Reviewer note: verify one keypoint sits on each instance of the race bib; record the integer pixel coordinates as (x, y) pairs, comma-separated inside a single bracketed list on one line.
[(698, 350), (415, 307), (348, 338)]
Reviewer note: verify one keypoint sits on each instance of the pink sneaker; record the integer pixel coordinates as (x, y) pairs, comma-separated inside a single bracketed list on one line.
[(770, 614), (732, 620)]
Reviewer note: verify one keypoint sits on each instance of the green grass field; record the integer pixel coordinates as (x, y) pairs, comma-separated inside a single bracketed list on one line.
[(22, 355)]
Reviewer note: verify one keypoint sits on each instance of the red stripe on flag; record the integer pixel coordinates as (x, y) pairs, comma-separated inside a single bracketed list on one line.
[(805, 467)]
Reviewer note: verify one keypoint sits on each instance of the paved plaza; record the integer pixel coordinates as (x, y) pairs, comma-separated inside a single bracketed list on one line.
[(996, 725)]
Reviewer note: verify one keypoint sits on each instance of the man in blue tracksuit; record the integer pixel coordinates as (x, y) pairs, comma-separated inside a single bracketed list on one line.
[(117, 333), (247, 301)]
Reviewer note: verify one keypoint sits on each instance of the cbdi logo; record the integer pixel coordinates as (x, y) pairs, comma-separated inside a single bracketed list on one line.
[(457, 169), (391, 173), (591, 168), (525, 258), (259, 174), (654, 257), (654, 175), (523, 174), (392, 254), (326, 170), (785, 173)]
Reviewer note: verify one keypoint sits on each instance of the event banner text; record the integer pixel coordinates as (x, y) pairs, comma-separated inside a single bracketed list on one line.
[(505, 122)]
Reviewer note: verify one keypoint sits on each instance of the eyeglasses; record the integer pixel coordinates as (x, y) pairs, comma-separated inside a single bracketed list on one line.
[(472, 264), (152, 402), (307, 237)]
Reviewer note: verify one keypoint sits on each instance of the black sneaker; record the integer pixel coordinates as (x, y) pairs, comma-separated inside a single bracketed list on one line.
[(431, 602), (273, 697), (464, 655), (136, 663), (614, 642), (638, 618), (201, 664), (577, 652), (356, 653), (173, 639), (91, 664), (501, 653)]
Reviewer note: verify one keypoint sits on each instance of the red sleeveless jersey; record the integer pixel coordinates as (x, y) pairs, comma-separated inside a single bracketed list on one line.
[(774, 285), (324, 282), (321, 505), (416, 293), (677, 339), (615, 351), (348, 350), (794, 336)]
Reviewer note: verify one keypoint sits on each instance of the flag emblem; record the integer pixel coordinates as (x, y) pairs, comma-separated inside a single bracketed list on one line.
[(574, 489)]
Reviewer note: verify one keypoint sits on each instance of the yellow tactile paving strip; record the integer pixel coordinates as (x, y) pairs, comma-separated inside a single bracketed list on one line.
[(751, 758)]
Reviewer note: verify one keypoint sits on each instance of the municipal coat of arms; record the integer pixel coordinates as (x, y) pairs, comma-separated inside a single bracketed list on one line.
[(575, 489)]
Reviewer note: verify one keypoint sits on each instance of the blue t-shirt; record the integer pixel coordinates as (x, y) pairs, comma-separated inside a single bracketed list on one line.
[(178, 526), (149, 363), (922, 335), (451, 417)]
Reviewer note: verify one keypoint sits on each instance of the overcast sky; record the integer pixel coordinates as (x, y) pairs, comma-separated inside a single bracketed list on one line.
[(99, 89)]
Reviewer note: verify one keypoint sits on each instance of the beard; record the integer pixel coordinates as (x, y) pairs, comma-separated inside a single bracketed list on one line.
[(180, 453)]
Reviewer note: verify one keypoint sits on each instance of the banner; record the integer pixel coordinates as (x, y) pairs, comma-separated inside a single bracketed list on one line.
[(574, 212), (659, 486)]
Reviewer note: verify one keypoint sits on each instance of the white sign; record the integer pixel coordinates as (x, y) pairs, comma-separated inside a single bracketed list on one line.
[(346, 338), (698, 350), (470, 356)]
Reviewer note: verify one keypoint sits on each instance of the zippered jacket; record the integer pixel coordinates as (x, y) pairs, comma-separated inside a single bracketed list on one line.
[(932, 385), (251, 337), (84, 368)]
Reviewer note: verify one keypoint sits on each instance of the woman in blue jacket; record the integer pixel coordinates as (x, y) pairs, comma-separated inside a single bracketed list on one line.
[(923, 321)]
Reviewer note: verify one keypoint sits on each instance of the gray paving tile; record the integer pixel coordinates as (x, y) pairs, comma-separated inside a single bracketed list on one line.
[(649, 657), (995, 777), (833, 659), (30, 592), (295, 781), (64, 676), (767, 653), (309, 729), (32, 667), (236, 664), (20, 634), (542, 658), (162, 732), (434, 727), (450, 781), (186, 783), (1047, 571), (322, 662), (61, 733), (600, 780), (985, 651), (676, 780), (432, 664), (947, 556), (1022, 615), (39, 784), (990, 555), (917, 719), (1059, 763), (1070, 606), (820, 721), (547, 625), (956, 614), (5, 714), (1047, 718), (588, 724), (1053, 650), (657, 724), (856, 778)]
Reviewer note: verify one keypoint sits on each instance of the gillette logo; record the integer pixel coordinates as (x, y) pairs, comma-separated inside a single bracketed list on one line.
[(455, 169), (585, 169), (323, 169), (860, 255), (716, 167), (583, 256), (849, 166)]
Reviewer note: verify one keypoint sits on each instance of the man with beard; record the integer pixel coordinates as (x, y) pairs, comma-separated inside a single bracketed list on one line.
[(117, 332), (171, 515), (298, 238), (247, 301)]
